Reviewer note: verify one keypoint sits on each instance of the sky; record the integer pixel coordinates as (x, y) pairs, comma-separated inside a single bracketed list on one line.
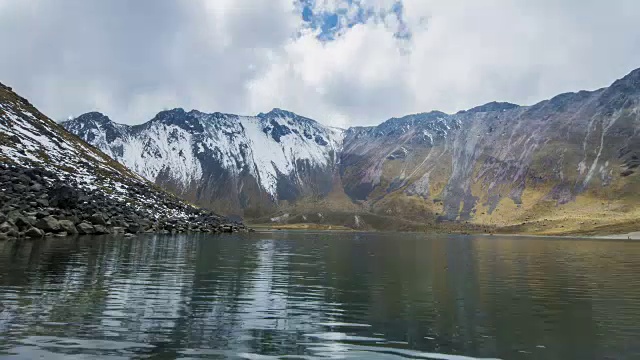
[(341, 62)]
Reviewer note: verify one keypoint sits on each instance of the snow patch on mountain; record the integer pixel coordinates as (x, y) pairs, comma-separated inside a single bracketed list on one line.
[(149, 157), (180, 145), (272, 158)]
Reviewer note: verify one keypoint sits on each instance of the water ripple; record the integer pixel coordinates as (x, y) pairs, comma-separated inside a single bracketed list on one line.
[(317, 296)]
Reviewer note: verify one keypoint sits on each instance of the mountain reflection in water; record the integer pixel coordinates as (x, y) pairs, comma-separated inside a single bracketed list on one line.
[(320, 295)]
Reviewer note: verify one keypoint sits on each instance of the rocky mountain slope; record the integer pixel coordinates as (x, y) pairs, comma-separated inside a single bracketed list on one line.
[(568, 164), (52, 182)]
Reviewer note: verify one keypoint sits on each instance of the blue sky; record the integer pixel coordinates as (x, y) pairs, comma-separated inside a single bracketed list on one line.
[(331, 24)]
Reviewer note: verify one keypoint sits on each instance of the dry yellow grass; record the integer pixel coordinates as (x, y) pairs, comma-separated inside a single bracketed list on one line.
[(305, 226)]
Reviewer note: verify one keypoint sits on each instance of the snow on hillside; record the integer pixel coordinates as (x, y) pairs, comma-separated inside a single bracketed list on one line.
[(179, 144), (272, 157), (30, 139)]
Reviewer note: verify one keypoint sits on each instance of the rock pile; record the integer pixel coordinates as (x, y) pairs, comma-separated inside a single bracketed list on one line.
[(35, 202)]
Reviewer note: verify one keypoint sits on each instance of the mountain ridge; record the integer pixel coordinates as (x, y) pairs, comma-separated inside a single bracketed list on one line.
[(426, 167), (633, 78), (198, 142)]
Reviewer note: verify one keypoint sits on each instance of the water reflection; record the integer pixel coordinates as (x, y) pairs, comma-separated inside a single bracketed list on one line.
[(320, 295)]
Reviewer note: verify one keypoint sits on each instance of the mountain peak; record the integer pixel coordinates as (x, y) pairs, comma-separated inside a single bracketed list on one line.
[(285, 114), (180, 118), (5, 87), (94, 116), (634, 74), (171, 112), (623, 93), (630, 83), (277, 112), (413, 118), (170, 115), (491, 106)]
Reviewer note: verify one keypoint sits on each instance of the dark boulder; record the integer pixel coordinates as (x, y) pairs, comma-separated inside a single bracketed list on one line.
[(34, 174), (118, 223), (13, 233), (34, 233), (68, 227), (6, 226), (19, 188), (85, 228), (42, 202), (98, 219), (13, 215), (145, 224), (134, 228), (48, 224), (22, 179), (63, 196), (100, 229), (36, 187), (23, 222)]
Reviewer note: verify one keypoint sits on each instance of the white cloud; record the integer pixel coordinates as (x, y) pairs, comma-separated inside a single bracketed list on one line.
[(461, 54), (130, 61), (352, 78)]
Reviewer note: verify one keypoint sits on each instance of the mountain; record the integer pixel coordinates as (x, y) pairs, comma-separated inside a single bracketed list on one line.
[(52, 182), (242, 164), (564, 165)]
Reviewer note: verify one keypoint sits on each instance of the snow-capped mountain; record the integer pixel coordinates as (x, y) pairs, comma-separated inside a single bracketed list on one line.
[(563, 164), (47, 172), (223, 161)]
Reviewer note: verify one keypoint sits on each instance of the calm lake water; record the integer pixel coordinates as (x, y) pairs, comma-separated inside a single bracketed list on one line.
[(303, 295)]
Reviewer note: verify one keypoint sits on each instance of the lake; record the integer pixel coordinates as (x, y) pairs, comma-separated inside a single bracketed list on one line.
[(322, 295)]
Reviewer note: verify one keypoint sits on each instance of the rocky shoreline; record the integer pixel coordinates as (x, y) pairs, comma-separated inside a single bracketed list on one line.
[(37, 203)]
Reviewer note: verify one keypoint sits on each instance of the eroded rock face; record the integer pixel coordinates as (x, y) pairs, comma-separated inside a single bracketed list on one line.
[(504, 164)]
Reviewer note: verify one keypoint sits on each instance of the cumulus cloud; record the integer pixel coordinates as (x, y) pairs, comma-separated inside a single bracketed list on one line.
[(131, 59), (342, 62)]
